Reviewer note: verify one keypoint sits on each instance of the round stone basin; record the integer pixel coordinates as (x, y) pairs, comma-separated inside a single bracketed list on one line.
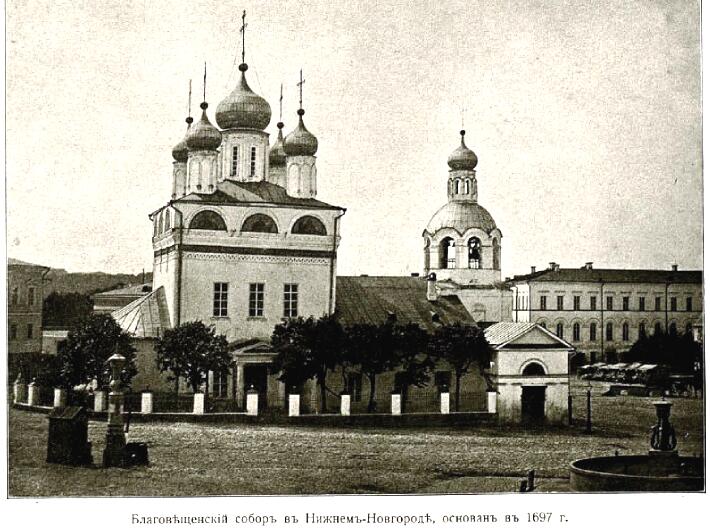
[(636, 473)]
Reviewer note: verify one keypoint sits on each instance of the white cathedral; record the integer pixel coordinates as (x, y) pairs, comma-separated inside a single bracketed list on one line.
[(243, 244)]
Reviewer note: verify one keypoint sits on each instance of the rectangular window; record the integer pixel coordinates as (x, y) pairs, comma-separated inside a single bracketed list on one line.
[(642, 303), (256, 299), (576, 332), (625, 303), (674, 303), (689, 303), (252, 162), (543, 303), (576, 303), (354, 387), (609, 331), (290, 300), (234, 171), (30, 331), (219, 306), (593, 303), (658, 304), (31, 296), (625, 332), (560, 303), (13, 331), (219, 384), (609, 303), (592, 331)]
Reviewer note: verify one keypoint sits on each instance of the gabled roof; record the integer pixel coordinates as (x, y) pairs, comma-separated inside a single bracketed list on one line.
[(233, 192), (613, 276), (146, 317), (502, 333), (374, 299)]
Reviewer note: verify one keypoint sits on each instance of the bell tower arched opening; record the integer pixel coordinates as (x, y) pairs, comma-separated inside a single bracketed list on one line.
[(447, 253), (474, 253)]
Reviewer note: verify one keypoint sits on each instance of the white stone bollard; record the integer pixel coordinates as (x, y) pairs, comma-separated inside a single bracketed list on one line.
[(253, 403), (294, 404), (445, 402), (33, 394), (198, 403), (396, 404), (60, 398), (20, 392), (147, 403), (99, 401), (492, 399), (345, 404)]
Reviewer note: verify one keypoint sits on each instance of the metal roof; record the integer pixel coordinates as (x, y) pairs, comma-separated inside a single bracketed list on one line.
[(140, 289), (145, 317), (613, 276), (504, 332)]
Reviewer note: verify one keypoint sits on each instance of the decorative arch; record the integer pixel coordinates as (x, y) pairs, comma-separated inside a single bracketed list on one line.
[(625, 333), (576, 332), (208, 220), (560, 328), (260, 222), (447, 253), (474, 253), (309, 225), (533, 367), (673, 328)]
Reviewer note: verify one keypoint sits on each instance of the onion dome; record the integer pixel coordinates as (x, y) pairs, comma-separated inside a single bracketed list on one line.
[(300, 142), (180, 150), (243, 109), (204, 135), (461, 216), (277, 155), (463, 157)]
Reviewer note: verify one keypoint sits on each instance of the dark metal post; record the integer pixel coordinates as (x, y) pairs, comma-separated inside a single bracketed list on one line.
[(589, 411), (531, 480), (569, 409)]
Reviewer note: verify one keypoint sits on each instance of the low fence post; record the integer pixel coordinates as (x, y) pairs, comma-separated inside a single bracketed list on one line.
[(396, 403), (33, 394), (147, 403), (445, 402), (345, 404), (99, 401), (20, 391), (492, 401), (60, 398), (198, 403), (253, 402), (294, 404)]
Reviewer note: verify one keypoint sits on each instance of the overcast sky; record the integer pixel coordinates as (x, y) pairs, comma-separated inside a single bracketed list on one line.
[(585, 117)]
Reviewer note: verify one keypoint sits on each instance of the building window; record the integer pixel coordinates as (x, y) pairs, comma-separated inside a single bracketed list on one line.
[(309, 225), (625, 331), (30, 331), (657, 306), (219, 384), (219, 306), (15, 297), (576, 332), (673, 329), (593, 303), (252, 162), (543, 324), (31, 296), (609, 303), (208, 220), (290, 300), (13, 331), (689, 303), (689, 328), (256, 299), (354, 386), (609, 331), (625, 303), (543, 303), (259, 222), (235, 161), (560, 330), (674, 303), (642, 303), (447, 253), (656, 328), (474, 253), (642, 330), (576, 303), (560, 303), (593, 331)]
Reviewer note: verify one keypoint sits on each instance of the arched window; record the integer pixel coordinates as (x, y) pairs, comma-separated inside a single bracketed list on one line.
[(656, 328), (560, 330), (576, 334), (673, 328), (642, 330), (609, 331), (593, 331), (259, 223), (689, 328), (534, 369), (496, 254), (474, 253), (308, 225), (543, 324), (447, 253), (208, 220), (166, 226), (625, 331), (467, 186), (457, 186)]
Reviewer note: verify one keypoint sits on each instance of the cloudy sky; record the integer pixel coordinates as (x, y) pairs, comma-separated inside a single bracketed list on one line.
[(585, 116)]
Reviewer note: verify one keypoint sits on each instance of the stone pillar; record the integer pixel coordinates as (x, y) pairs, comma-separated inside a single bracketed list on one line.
[(33, 394), (60, 398), (114, 452), (20, 391), (396, 404), (198, 403), (240, 385), (252, 402), (294, 404), (445, 402), (492, 400), (345, 404), (147, 403), (99, 401)]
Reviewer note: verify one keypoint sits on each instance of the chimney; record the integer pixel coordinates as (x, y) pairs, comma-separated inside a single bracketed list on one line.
[(674, 267), (588, 265), (415, 274), (554, 266), (431, 287), (532, 269)]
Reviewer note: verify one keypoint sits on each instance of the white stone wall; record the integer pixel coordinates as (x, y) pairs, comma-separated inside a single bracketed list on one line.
[(301, 176), (245, 139)]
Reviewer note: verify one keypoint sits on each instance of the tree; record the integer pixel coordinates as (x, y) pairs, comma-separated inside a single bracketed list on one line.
[(191, 350), (307, 348), (65, 310), (411, 357), (461, 347), (88, 347), (680, 352)]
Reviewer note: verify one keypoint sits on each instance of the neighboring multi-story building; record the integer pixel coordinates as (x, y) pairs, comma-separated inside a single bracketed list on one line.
[(24, 310), (602, 312)]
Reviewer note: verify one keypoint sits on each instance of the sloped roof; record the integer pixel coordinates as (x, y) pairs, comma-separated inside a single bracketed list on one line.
[(140, 289), (372, 299), (613, 276), (145, 317), (504, 332), (17, 262), (233, 192)]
